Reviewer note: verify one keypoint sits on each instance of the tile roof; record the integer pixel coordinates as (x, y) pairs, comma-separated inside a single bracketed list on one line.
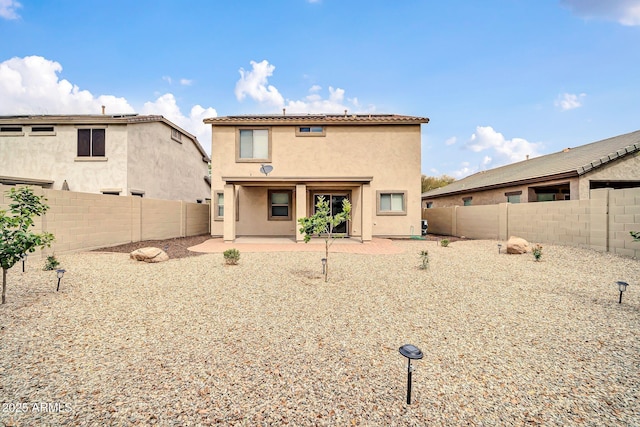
[(568, 162), (317, 119)]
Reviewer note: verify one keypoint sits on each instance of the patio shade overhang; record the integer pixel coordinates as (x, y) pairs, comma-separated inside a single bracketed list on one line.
[(266, 181)]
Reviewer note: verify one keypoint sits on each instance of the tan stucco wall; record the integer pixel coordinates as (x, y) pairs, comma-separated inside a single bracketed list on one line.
[(390, 154), (82, 221), (54, 158), (163, 167), (627, 169), (601, 223)]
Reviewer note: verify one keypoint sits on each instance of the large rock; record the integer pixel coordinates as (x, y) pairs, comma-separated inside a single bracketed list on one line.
[(149, 255), (517, 245)]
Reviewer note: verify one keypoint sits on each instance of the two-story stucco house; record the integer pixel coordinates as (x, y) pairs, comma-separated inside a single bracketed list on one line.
[(268, 171), (146, 156)]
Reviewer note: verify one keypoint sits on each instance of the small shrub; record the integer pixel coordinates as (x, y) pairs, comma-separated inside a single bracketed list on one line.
[(424, 257), (444, 243), (231, 256), (635, 235), (537, 252), (51, 264)]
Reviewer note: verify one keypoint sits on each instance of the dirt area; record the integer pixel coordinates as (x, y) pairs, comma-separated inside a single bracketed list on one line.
[(175, 248)]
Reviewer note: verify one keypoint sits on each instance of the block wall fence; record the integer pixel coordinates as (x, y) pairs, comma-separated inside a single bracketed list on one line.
[(85, 221), (601, 223)]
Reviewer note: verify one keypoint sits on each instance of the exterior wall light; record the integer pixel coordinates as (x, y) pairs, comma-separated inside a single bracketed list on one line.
[(60, 274), (622, 286), (410, 352), (23, 257)]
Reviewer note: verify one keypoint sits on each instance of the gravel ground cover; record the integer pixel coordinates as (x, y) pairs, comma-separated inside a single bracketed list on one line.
[(507, 341)]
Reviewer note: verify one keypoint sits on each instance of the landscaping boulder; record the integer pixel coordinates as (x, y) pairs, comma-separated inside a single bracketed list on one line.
[(149, 255), (517, 245)]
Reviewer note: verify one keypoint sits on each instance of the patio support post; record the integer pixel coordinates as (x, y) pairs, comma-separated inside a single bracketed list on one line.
[(229, 230), (368, 209), (301, 208)]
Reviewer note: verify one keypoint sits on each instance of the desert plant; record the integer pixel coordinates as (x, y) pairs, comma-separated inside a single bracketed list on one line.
[(51, 264), (444, 243), (322, 223), (537, 252), (635, 235), (231, 256), (424, 258), (16, 238)]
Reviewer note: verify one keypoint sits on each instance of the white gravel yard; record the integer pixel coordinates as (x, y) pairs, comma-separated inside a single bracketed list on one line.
[(507, 341)]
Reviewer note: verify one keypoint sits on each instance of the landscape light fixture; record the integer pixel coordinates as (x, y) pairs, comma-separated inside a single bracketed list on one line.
[(324, 265), (499, 247), (622, 286), (23, 257), (60, 274), (410, 352)]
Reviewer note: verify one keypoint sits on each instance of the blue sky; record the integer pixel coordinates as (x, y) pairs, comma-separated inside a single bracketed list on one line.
[(499, 79)]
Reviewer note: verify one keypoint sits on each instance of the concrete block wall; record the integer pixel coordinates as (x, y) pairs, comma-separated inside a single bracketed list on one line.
[(601, 223), (85, 221)]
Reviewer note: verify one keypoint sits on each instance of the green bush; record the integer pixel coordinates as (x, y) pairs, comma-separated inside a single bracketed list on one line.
[(444, 243), (537, 252), (231, 256), (51, 264)]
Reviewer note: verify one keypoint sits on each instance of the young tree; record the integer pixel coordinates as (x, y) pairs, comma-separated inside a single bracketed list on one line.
[(322, 223), (15, 237)]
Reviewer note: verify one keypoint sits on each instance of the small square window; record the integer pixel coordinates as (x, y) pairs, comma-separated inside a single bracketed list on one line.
[(279, 205), (391, 203), (467, 201)]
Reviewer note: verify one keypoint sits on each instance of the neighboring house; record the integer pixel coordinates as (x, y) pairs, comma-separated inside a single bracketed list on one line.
[(567, 175), (268, 171), (146, 156)]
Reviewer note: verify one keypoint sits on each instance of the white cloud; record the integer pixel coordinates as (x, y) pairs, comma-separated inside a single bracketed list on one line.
[(186, 82), (569, 101), (166, 106), (503, 150), (465, 170), (451, 141), (8, 9), (31, 85), (625, 12), (255, 85)]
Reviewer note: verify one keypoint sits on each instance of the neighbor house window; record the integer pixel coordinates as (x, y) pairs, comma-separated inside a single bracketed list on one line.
[(467, 201), (546, 197), (391, 203), (429, 205), (218, 205), (253, 145), (310, 131), (111, 193), (176, 135), (513, 197), (279, 204), (91, 142), (11, 131)]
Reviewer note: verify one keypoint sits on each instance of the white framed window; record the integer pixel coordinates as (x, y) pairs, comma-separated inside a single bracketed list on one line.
[(279, 205), (310, 131), (391, 203), (218, 206), (43, 130), (11, 130), (253, 145)]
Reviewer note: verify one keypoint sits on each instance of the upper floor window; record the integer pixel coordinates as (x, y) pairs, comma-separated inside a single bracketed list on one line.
[(391, 203), (91, 143), (11, 130), (310, 131), (253, 145), (176, 135)]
